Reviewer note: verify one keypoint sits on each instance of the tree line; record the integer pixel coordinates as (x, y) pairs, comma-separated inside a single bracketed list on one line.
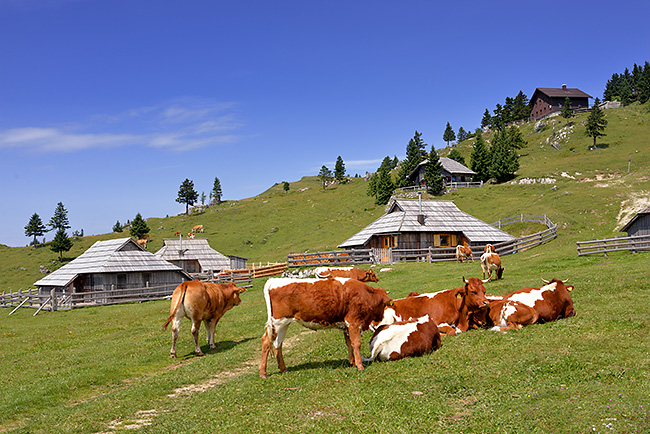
[(629, 87)]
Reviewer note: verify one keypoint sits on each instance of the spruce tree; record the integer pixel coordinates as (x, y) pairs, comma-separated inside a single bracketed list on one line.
[(415, 154), (61, 243), (448, 135), (596, 124), (480, 159), (455, 155), (325, 175), (505, 161), (139, 227), (462, 135), (35, 227), (384, 187), (433, 173), (285, 186), (487, 119), (117, 227), (339, 170), (567, 111), (187, 195), (60, 218), (216, 190)]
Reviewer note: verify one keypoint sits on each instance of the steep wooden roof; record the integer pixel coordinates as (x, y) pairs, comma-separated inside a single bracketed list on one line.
[(440, 217), (121, 255), (174, 249), (559, 92)]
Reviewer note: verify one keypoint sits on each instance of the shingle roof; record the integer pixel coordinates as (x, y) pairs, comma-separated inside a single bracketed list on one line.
[(440, 217), (555, 92), (635, 218), (113, 256), (451, 166), (197, 248)]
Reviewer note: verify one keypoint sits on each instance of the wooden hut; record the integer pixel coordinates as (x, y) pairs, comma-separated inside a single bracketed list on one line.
[(452, 172), (193, 255), (420, 224), (639, 225), (110, 265), (548, 100)]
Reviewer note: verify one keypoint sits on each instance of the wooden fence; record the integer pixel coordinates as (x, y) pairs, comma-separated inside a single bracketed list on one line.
[(57, 301), (337, 257), (607, 245), (258, 271)]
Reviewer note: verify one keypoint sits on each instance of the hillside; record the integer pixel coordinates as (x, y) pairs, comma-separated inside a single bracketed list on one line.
[(591, 195)]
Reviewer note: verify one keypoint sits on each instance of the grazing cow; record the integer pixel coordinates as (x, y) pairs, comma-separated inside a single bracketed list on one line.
[(491, 261), (449, 310), (529, 306), (190, 236), (347, 272), (197, 228), (201, 301), (346, 304), (463, 252), (177, 233), (143, 242), (404, 339)]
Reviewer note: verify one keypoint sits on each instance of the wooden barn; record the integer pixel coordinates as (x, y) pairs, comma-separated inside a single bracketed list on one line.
[(415, 224), (195, 255), (109, 265), (639, 225), (452, 172), (548, 100)]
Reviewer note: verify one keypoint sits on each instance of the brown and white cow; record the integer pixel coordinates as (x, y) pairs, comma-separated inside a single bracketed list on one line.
[(201, 301), (448, 309), (528, 306), (404, 339), (463, 252), (197, 228), (490, 261), (347, 272), (346, 304)]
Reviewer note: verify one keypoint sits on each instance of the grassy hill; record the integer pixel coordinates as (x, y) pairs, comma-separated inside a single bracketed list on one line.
[(106, 369), (593, 195)]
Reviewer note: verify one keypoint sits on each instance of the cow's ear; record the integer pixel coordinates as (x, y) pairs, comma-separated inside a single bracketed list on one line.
[(240, 290), (569, 288), (391, 303)]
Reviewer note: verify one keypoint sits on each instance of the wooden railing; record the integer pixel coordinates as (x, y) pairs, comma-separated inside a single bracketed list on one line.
[(617, 244), (337, 257)]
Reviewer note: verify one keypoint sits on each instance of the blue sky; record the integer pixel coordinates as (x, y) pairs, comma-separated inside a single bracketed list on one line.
[(107, 106)]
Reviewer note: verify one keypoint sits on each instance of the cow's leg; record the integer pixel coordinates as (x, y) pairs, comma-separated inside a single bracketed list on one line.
[(346, 334), (176, 327), (277, 343), (210, 326), (196, 325), (355, 340), (266, 347)]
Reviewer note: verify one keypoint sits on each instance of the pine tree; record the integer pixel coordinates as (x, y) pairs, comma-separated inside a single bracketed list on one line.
[(384, 187), (521, 109), (498, 121), (514, 138), (61, 243), (415, 154), (372, 185), (487, 119), (35, 227), (60, 218), (216, 190), (505, 161), (139, 227), (448, 135), (339, 170), (117, 227), (325, 175), (187, 195), (596, 124), (455, 155), (285, 186), (480, 159), (567, 111), (433, 173), (462, 135)]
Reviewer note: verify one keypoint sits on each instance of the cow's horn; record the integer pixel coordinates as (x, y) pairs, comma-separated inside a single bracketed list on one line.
[(485, 281), (545, 281), (465, 280)]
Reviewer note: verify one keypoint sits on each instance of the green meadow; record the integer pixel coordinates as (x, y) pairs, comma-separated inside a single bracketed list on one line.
[(107, 369)]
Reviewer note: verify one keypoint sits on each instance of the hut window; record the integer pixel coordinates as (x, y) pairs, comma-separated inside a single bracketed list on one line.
[(121, 281), (444, 240), (146, 279)]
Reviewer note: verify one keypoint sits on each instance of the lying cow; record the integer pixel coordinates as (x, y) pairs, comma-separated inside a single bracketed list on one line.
[(200, 301), (529, 306), (346, 304), (448, 309), (347, 272), (463, 252), (404, 339), (490, 262)]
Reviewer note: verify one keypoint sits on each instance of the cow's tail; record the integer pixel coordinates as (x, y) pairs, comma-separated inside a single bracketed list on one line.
[(268, 331), (179, 302)]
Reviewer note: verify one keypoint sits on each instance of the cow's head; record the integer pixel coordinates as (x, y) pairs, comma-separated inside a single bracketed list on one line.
[(474, 294), (231, 294), (499, 272), (559, 283), (370, 276)]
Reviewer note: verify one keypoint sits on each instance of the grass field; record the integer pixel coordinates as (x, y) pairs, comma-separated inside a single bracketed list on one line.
[(107, 369)]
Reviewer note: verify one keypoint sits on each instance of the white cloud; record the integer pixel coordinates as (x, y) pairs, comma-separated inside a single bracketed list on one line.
[(174, 127)]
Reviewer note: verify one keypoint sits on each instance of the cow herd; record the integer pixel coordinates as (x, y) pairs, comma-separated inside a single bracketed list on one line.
[(342, 299)]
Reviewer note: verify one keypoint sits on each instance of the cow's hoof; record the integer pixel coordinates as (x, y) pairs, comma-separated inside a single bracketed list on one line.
[(172, 356), (200, 353), (263, 376)]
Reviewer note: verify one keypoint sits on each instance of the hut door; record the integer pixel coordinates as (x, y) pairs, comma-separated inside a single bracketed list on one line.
[(388, 242)]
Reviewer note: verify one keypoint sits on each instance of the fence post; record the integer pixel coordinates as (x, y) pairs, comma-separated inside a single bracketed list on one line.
[(53, 295)]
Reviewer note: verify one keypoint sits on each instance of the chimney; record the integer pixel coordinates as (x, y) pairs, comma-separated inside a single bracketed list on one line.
[(564, 87)]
